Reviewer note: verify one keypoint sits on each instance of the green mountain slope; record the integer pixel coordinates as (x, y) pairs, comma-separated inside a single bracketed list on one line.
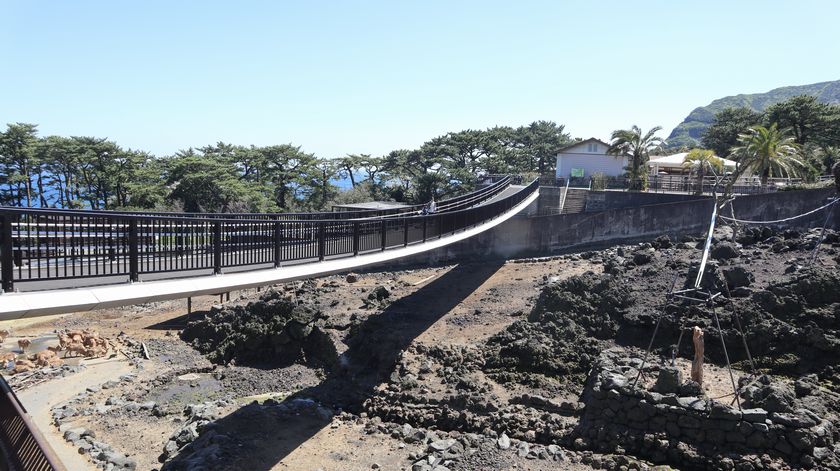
[(689, 132)]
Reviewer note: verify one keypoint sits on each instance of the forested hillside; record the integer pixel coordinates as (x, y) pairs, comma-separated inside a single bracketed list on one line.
[(690, 131)]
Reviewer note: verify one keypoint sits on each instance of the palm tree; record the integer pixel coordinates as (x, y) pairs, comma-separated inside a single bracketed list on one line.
[(702, 162), (633, 143), (767, 152)]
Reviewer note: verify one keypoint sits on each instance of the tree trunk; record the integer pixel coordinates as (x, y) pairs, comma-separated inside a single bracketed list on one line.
[(44, 203)]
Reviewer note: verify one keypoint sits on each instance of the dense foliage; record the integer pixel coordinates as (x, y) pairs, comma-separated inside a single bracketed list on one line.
[(812, 126), (87, 172), (637, 146)]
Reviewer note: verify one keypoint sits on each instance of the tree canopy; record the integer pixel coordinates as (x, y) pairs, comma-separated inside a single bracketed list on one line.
[(97, 173), (812, 125), (767, 152), (637, 145)]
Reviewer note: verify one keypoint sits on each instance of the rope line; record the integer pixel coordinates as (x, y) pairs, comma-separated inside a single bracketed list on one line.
[(777, 221)]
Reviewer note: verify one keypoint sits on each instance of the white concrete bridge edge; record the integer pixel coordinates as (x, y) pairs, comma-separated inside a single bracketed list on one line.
[(62, 301)]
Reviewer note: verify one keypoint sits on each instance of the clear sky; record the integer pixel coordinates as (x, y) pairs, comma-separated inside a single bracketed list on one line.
[(370, 77)]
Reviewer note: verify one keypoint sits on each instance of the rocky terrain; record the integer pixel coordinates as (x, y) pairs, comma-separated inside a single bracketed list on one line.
[(529, 364)]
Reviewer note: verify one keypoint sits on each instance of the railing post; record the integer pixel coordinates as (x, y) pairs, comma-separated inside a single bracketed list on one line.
[(356, 238), (217, 248), (133, 251), (405, 232), (322, 241), (425, 219), (7, 259), (383, 229), (278, 254)]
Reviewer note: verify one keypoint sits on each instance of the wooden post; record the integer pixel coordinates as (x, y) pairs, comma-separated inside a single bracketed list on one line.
[(697, 364)]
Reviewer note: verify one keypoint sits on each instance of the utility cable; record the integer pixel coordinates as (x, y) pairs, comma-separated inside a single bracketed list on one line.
[(777, 221)]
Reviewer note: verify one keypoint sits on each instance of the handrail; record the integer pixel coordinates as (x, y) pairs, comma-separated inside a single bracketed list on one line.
[(468, 199), (41, 245), (292, 216), (23, 445), (565, 194), (194, 217)]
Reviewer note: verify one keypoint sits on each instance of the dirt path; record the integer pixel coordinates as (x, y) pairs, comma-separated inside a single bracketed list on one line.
[(39, 399)]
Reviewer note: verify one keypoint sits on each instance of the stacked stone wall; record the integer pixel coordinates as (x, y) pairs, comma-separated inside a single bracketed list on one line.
[(668, 428)]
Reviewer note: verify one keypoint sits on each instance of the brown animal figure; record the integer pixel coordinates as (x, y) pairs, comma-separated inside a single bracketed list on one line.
[(24, 344), (7, 357), (77, 348), (22, 366), (47, 358), (3, 334), (96, 351), (63, 341)]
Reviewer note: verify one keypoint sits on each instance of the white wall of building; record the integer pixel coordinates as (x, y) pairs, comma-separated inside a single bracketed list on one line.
[(592, 158)]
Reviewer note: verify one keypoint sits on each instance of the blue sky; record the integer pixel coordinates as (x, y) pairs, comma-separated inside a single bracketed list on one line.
[(370, 77)]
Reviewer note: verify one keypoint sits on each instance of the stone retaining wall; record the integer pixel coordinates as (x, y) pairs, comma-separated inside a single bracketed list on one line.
[(690, 430), (627, 218)]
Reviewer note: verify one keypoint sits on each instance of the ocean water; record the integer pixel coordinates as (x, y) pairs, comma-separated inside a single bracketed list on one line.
[(52, 194)]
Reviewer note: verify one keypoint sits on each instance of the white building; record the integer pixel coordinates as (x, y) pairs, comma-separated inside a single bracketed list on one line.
[(584, 158), (673, 163)]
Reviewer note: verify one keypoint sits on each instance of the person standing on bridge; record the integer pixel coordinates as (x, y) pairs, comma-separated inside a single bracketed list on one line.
[(432, 206)]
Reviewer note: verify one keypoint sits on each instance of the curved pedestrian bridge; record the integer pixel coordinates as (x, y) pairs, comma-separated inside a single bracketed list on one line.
[(59, 261)]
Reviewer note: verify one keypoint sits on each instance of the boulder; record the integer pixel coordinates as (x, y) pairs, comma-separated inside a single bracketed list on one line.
[(737, 277), (379, 293), (643, 256), (725, 250), (668, 381), (503, 442)]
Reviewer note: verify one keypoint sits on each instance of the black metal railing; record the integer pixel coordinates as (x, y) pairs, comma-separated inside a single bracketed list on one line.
[(457, 202), (42, 245), (22, 446), (673, 184)]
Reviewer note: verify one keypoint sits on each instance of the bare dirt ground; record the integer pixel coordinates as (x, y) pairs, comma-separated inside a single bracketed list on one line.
[(424, 369), (454, 305)]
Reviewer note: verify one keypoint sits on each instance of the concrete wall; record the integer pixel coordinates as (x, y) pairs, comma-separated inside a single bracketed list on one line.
[(549, 200), (544, 235), (602, 200)]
